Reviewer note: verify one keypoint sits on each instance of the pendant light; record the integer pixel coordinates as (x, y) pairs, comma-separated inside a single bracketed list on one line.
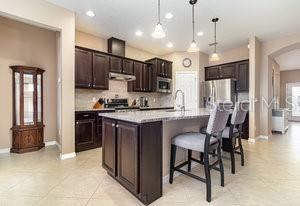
[(158, 31), (193, 46), (215, 57)]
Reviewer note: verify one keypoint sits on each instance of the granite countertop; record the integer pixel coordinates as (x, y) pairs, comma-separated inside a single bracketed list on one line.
[(157, 115), (84, 109)]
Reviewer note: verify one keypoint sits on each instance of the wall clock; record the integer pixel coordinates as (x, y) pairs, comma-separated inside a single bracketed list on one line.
[(186, 62)]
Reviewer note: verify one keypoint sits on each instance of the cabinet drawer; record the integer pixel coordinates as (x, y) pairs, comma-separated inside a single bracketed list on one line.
[(84, 115)]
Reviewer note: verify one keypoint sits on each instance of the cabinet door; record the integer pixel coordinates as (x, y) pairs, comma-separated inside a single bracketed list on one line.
[(100, 71), (83, 68), (147, 78), (227, 71), (127, 66), (109, 146), (84, 134), (212, 73), (116, 64), (169, 70), (162, 69), (127, 135), (242, 76), (138, 73)]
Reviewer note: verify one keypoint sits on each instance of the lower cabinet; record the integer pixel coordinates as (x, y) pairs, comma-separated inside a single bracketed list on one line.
[(131, 154), (127, 150)]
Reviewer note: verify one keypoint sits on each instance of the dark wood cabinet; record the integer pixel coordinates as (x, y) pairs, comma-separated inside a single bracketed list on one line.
[(127, 143), (132, 155), (100, 71), (127, 66), (109, 146), (212, 73), (83, 68), (161, 67), (227, 71), (85, 133), (115, 64), (237, 70), (242, 76), (144, 78)]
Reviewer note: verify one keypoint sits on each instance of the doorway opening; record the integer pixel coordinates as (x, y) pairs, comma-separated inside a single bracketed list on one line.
[(293, 101)]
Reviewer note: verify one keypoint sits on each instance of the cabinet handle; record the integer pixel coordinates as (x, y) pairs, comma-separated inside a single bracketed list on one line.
[(113, 125), (117, 126), (77, 122), (89, 85), (86, 115)]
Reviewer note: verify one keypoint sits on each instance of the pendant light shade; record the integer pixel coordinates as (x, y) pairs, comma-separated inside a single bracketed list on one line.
[(215, 57), (158, 32), (193, 47)]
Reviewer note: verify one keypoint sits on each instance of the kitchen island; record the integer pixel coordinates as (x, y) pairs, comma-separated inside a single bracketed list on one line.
[(136, 147)]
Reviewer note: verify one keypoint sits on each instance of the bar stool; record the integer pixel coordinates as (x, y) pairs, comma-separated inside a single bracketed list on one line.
[(195, 141), (234, 132)]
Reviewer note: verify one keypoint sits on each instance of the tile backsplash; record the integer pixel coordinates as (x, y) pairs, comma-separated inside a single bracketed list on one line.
[(85, 98)]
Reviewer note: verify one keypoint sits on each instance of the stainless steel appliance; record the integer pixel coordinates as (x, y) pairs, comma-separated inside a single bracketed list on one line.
[(219, 91), (164, 85), (121, 77), (144, 102)]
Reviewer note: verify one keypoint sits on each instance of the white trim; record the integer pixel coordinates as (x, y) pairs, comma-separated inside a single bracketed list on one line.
[(50, 143), (263, 137), (4, 150), (252, 140), (67, 156)]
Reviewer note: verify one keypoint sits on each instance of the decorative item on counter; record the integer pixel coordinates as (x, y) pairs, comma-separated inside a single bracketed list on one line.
[(134, 103), (99, 104)]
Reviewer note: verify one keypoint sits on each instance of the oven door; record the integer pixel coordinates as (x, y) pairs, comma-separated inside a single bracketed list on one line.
[(164, 85)]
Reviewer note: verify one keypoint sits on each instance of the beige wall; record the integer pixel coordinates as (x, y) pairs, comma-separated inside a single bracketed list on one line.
[(290, 76), (98, 43), (236, 54), (27, 45), (46, 15), (276, 81)]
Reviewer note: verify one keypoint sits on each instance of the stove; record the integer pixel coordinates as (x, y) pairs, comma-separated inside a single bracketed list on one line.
[(120, 105)]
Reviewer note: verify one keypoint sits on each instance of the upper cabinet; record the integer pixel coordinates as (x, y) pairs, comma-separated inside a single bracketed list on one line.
[(237, 70), (127, 66), (242, 75), (83, 68), (143, 75), (116, 64), (100, 71), (161, 67)]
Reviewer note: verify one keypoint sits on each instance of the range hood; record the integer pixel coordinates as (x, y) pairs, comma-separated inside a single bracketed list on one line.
[(121, 77)]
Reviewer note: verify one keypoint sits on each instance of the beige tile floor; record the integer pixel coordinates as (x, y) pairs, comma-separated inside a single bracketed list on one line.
[(271, 176)]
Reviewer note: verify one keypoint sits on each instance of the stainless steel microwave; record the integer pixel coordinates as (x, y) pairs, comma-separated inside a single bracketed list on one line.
[(164, 85)]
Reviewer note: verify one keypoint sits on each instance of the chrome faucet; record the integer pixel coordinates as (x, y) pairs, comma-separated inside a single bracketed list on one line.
[(182, 106)]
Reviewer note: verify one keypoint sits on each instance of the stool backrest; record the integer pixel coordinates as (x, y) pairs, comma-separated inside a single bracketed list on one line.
[(218, 119), (239, 113)]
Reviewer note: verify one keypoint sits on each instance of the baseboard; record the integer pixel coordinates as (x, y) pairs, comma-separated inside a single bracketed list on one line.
[(176, 174), (4, 150), (67, 156), (50, 143), (263, 137)]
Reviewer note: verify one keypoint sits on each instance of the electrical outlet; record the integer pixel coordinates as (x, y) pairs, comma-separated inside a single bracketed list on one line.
[(94, 99)]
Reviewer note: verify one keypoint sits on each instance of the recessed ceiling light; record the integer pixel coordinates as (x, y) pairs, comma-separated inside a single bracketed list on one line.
[(139, 33), (169, 15), (200, 33), (90, 13), (170, 45)]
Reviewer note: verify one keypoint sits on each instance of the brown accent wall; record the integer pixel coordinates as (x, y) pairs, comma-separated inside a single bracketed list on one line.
[(290, 76)]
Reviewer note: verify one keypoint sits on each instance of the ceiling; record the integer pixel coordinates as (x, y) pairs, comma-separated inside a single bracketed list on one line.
[(239, 19), (289, 60)]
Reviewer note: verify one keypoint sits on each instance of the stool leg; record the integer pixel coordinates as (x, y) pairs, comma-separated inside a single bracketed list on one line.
[(172, 162), (207, 176), (201, 156), (241, 151), (221, 165), (189, 160)]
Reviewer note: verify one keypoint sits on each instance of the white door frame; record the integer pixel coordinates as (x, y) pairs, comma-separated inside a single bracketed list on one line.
[(287, 93), (196, 75)]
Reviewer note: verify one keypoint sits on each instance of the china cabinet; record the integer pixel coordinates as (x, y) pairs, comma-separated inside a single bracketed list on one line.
[(28, 127)]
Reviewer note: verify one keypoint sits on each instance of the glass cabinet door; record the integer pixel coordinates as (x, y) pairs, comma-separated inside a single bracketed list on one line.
[(17, 98), (39, 98), (28, 99)]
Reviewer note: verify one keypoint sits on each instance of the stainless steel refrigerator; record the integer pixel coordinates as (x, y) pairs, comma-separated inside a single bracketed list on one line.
[(219, 91)]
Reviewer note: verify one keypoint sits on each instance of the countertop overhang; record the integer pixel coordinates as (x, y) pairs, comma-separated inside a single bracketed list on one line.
[(157, 115)]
